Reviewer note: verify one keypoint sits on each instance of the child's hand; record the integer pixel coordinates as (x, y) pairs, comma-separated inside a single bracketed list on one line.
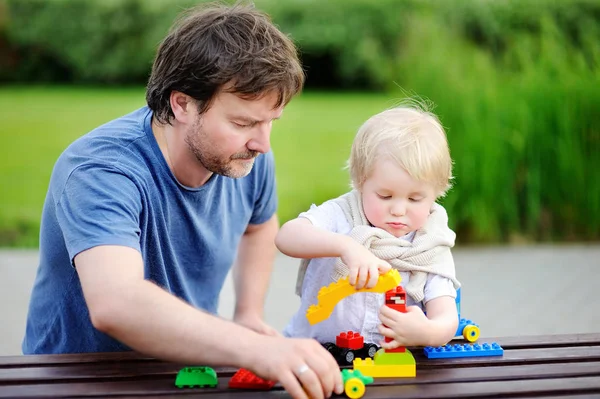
[(364, 266), (405, 329)]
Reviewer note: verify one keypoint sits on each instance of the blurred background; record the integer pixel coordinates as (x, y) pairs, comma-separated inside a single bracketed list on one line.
[(515, 83)]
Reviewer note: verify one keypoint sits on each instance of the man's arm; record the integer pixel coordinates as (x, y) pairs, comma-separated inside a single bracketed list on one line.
[(151, 321), (252, 272)]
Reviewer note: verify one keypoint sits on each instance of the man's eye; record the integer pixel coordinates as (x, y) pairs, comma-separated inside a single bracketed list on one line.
[(242, 124)]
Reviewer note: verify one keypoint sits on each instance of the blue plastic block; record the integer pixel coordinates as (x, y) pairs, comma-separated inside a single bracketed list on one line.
[(463, 350)]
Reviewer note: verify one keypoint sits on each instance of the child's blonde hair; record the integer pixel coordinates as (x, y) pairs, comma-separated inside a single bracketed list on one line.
[(411, 136)]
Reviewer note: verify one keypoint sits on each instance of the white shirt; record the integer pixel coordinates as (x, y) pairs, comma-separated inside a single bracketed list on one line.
[(357, 312)]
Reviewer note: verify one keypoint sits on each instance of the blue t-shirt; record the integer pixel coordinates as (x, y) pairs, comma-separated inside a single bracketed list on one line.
[(113, 186)]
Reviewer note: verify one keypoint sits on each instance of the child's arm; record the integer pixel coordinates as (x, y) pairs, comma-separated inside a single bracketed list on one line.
[(413, 328), (299, 238), (444, 317)]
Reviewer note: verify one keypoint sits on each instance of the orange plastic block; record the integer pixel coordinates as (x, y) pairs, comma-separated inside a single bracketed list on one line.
[(329, 296), (245, 379)]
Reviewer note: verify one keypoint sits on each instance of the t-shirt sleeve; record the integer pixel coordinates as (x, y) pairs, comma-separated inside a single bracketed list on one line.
[(437, 286), (328, 216), (265, 203), (99, 205)]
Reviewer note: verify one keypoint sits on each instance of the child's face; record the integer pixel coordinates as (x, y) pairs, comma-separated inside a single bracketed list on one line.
[(394, 201)]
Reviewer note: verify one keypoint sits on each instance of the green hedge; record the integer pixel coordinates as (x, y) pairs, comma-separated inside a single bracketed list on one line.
[(515, 83), (355, 43)]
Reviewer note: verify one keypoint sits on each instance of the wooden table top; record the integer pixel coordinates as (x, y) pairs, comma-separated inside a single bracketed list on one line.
[(553, 366)]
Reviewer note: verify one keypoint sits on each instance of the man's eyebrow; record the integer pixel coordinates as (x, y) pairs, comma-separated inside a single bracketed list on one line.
[(249, 119)]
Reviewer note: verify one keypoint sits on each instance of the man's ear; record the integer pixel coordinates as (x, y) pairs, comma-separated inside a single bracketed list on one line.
[(183, 107)]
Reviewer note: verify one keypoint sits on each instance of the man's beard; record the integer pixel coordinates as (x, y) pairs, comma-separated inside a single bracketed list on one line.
[(200, 146)]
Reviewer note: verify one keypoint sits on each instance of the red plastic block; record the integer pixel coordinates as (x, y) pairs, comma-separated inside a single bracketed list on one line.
[(245, 379), (396, 299), (350, 340)]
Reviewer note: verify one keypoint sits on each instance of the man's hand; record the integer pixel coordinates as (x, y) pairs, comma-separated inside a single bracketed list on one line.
[(256, 323), (302, 366), (365, 267), (405, 329)]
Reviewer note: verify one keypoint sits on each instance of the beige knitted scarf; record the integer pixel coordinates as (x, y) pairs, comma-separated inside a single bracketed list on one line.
[(429, 251)]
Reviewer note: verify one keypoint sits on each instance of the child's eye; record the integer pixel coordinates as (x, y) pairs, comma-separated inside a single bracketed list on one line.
[(413, 199), (384, 196)]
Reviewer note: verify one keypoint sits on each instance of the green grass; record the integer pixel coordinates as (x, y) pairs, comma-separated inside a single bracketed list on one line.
[(311, 143)]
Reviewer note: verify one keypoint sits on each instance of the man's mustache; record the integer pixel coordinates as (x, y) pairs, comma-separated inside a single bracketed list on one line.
[(245, 155)]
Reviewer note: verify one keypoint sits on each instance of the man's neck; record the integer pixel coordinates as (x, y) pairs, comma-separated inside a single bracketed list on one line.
[(183, 164)]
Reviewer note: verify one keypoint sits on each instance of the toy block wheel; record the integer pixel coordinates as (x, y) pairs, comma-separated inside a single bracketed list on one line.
[(371, 349), (347, 356), (354, 388), (471, 333)]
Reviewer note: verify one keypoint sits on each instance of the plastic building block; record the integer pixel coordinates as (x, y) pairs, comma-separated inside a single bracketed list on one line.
[(396, 299), (465, 350), (468, 329), (245, 379), (200, 377), (397, 358), (388, 365), (354, 383), (348, 346), (350, 340), (329, 296), (368, 367)]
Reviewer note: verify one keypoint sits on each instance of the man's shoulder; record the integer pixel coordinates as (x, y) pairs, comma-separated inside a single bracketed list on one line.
[(112, 143), (120, 145)]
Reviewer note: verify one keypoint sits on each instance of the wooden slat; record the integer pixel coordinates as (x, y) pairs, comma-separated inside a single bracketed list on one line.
[(545, 341), (36, 360), (90, 373), (104, 385), (518, 356), (126, 369), (127, 365), (494, 389), (517, 342)]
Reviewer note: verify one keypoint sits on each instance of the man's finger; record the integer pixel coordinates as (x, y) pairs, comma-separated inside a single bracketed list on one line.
[(310, 382), (292, 386)]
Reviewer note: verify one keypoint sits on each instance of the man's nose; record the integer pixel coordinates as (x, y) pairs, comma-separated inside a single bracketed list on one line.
[(261, 140)]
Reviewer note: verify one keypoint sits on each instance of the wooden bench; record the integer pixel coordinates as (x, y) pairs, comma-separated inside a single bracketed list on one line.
[(558, 366)]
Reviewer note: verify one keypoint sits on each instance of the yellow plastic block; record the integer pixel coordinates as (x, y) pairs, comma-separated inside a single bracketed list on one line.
[(329, 296), (370, 369)]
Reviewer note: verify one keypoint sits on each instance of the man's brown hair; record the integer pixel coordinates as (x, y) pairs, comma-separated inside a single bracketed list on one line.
[(216, 47)]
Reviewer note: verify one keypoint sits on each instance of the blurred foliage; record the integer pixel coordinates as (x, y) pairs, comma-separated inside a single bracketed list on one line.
[(516, 84)]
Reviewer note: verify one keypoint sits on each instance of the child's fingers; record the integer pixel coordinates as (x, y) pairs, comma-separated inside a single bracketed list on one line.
[(363, 274), (384, 267), (352, 274), (393, 344), (373, 277)]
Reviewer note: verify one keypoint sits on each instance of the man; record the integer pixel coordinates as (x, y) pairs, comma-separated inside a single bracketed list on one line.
[(145, 214)]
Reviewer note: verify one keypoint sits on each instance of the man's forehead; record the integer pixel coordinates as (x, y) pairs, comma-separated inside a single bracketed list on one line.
[(260, 108)]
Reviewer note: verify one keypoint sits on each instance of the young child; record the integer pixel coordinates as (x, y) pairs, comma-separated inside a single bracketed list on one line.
[(399, 165)]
